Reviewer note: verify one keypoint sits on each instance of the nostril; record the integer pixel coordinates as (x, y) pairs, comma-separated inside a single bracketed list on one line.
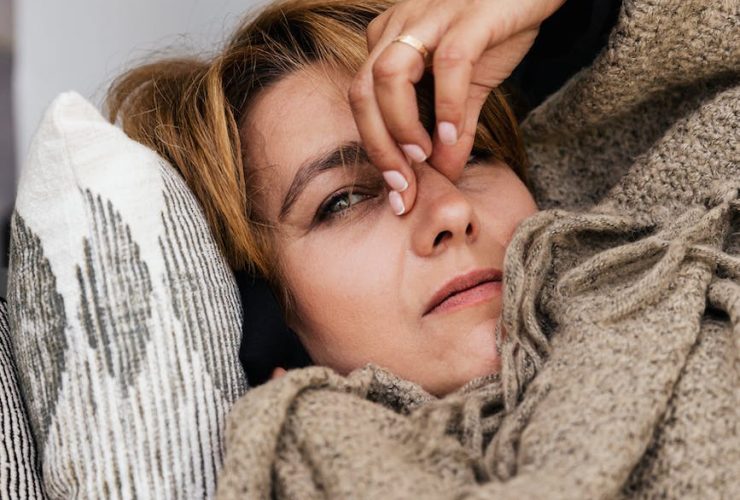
[(469, 229), (441, 237)]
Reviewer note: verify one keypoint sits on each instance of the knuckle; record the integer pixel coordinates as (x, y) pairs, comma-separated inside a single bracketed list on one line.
[(451, 55), (373, 29), (386, 69), (448, 107), (407, 130), (360, 90), (378, 155)]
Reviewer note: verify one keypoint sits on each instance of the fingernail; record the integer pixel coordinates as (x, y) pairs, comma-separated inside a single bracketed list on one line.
[(396, 180), (414, 152), (447, 133), (396, 202)]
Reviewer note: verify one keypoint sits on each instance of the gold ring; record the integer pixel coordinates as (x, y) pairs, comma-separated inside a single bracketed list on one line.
[(414, 43)]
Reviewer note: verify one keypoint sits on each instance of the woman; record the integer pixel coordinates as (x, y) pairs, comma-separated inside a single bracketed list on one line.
[(615, 375), (318, 225)]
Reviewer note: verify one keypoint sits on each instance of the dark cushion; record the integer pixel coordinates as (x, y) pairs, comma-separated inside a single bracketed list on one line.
[(267, 342)]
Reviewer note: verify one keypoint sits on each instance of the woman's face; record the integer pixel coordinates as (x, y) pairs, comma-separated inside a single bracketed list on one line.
[(362, 278)]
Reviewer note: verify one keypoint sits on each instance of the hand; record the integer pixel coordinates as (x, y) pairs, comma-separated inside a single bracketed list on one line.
[(475, 45)]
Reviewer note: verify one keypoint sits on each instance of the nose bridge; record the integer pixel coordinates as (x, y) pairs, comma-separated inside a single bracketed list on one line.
[(444, 214)]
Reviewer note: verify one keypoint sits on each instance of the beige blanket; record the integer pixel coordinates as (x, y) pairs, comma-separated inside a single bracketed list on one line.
[(621, 370)]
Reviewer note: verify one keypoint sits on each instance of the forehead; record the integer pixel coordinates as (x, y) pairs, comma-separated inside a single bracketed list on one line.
[(305, 113)]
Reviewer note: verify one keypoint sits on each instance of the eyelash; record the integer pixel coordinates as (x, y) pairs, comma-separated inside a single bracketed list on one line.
[(325, 215)]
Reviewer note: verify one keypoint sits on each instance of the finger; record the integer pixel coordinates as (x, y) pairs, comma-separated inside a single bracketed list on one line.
[(492, 68), (399, 66), (451, 160), (391, 21), (381, 148), (455, 59), (485, 44), (379, 142), (278, 372), (396, 70), (376, 28)]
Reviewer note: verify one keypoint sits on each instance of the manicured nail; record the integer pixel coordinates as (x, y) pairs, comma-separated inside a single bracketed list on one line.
[(447, 133), (396, 180), (414, 152), (396, 202)]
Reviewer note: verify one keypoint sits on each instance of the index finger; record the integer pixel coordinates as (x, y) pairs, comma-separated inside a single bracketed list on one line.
[(450, 160), (382, 150)]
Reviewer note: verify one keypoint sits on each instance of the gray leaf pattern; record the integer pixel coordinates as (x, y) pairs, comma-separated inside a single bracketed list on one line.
[(37, 310), (116, 289)]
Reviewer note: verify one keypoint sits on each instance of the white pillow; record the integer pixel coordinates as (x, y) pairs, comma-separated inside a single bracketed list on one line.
[(18, 474), (125, 318)]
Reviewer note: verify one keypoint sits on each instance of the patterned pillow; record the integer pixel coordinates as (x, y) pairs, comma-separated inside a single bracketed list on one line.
[(18, 474), (125, 317)]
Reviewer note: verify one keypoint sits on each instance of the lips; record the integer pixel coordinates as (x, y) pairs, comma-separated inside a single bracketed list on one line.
[(468, 287)]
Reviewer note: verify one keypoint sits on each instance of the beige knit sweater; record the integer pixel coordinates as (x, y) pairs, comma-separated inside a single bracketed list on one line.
[(621, 370)]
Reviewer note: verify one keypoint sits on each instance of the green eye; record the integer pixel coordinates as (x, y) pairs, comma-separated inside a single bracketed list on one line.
[(342, 202), (339, 203)]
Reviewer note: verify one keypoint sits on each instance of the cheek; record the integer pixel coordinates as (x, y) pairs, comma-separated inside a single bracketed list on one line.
[(339, 281), (503, 211)]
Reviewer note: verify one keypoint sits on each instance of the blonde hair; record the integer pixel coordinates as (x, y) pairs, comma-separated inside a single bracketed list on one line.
[(189, 109)]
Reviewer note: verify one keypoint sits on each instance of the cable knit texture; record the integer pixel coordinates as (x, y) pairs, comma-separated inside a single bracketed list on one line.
[(621, 367)]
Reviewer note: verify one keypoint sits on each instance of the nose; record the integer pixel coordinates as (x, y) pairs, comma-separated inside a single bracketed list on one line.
[(443, 215)]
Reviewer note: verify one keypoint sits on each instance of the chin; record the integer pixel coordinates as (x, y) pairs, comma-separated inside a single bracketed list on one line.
[(468, 370), (474, 355)]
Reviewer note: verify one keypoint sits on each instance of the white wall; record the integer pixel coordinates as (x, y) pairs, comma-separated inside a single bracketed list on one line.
[(7, 143), (82, 44)]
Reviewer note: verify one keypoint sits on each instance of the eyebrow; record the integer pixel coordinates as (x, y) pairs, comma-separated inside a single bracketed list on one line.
[(348, 153)]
